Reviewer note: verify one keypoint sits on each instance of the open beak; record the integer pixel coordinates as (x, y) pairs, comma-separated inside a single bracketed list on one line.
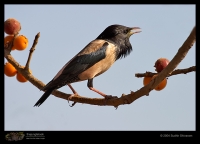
[(135, 30)]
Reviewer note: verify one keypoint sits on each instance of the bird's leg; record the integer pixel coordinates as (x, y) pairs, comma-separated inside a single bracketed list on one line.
[(90, 86), (75, 93), (73, 90)]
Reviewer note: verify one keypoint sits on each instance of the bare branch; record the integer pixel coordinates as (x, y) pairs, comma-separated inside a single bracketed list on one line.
[(175, 72), (124, 99), (31, 51)]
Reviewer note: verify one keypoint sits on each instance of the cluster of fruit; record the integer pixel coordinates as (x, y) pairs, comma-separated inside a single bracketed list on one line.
[(160, 64), (10, 71), (11, 28)]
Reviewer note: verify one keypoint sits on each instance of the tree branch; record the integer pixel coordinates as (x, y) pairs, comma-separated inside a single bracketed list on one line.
[(124, 99), (175, 72), (32, 50)]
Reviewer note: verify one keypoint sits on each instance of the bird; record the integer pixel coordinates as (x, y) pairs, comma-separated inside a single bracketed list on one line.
[(93, 60)]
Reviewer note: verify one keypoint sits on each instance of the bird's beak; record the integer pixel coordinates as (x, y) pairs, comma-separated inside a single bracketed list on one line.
[(134, 30)]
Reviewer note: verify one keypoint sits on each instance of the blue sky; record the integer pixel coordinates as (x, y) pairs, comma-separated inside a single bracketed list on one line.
[(65, 30)]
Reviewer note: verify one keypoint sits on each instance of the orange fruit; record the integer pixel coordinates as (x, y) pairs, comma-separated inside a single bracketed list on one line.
[(146, 80), (20, 43), (161, 85), (9, 70), (21, 78), (7, 39)]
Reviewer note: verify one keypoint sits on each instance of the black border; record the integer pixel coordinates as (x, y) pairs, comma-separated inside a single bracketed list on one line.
[(105, 136), (71, 136)]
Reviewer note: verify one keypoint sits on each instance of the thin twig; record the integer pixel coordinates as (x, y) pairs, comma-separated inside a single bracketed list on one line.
[(31, 51), (175, 72)]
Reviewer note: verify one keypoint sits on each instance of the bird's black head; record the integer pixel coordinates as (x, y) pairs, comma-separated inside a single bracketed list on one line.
[(119, 35)]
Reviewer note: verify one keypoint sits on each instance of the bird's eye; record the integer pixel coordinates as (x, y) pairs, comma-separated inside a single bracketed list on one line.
[(126, 31)]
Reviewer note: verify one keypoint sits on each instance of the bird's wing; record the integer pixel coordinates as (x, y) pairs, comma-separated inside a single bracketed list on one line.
[(90, 55)]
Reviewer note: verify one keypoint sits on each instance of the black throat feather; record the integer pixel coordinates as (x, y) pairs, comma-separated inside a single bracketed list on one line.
[(123, 47), (123, 50)]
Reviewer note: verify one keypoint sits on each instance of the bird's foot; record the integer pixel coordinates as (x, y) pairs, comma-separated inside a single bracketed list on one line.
[(70, 98)]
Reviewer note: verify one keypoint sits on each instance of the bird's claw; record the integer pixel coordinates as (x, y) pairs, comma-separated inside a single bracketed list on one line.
[(69, 99), (72, 104)]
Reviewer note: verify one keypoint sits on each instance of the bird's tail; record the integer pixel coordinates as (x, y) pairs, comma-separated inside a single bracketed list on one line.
[(44, 97)]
